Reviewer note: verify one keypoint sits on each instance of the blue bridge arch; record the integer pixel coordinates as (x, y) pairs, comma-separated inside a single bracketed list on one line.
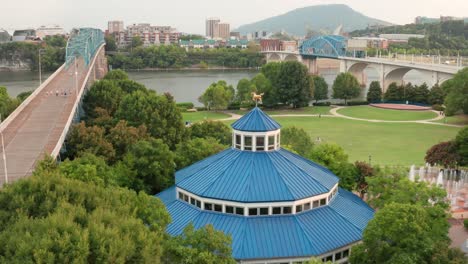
[(330, 46), (83, 42)]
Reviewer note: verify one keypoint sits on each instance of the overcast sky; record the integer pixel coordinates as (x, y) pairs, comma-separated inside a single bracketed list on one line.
[(189, 15)]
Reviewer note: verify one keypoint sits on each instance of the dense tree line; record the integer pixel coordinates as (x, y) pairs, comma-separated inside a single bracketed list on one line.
[(96, 206), (286, 83), (172, 56), (456, 91), (446, 38), (52, 54), (75, 212), (410, 92), (140, 134)]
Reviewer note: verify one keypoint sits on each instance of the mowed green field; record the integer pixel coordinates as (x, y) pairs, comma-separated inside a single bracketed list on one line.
[(374, 113), (387, 143), (310, 110), (204, 115), (461, 120)]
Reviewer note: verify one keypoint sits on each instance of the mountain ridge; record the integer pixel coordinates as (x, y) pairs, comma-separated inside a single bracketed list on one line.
[(317, 18)]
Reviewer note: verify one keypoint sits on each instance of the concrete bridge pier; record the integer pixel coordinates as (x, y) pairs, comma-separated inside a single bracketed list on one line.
[(311, 64)]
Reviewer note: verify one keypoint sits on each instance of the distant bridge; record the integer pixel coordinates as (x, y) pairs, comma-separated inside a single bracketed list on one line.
[(39, 126), (389, 70)]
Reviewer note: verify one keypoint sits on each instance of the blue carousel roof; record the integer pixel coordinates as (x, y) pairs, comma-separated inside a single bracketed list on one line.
[(310, 233), (265, 176), (256, 121)]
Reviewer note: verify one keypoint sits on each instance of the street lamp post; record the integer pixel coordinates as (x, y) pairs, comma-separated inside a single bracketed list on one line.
[(4, 156), (40, 66), (76, 78)]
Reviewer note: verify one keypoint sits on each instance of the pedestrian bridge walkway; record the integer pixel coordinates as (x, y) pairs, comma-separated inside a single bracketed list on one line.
[(38, 127)]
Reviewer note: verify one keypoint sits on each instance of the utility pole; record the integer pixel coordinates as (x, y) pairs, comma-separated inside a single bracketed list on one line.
[(76, 78), (40, 66)]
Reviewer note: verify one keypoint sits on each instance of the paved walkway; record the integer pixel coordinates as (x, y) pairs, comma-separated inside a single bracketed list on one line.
[(38, 127), (334, 113)]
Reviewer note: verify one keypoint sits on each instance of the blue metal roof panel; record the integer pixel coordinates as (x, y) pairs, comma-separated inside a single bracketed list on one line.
[(256, 121), (310, 233), (167, 196), (273, 237), (324, 176), (353, 209), (231, 225), (190, 170), (251, 178), (182, 214), (328, 230), (256, 177)]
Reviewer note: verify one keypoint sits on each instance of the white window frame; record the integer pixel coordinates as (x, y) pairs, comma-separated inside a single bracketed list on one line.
[(246, 206), (266, 135)]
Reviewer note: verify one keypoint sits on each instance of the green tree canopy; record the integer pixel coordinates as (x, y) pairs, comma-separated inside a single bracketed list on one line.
[(110, 43), (105, 94), (263, 85), (457, 93), (214, 129), (116, 75), (436, 95), (152, 164), (271, 72), (294, 87), (244, 90), (335, 159), (205, 245), (399, 233), (461, 142), (158, 113), (23, 95), (374, 95), (54, 219), (420, 94), (217, 95), (346, 86), (91, 139), (191, 151), (321, 88), (394, 93), (297, 139), (136, 42), (123, 136), (90, 168)]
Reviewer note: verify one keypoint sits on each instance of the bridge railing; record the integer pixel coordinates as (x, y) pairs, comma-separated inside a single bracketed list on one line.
[(28, 100), (64, 134), (84, 42)]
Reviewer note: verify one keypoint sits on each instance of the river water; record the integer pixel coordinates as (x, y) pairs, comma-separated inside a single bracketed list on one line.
[(185, 86)]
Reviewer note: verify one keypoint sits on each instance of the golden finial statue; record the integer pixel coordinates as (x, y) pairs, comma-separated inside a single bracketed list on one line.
[(257, 97)]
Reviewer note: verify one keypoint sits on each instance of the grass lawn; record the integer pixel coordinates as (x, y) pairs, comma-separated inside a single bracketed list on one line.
[(310, 110), (203, 115), (387, 143), (454, 120), (369, 112)]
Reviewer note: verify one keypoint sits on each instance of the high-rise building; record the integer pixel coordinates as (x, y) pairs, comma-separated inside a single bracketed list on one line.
[(224, 30), (115, 26), (212, 27)]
